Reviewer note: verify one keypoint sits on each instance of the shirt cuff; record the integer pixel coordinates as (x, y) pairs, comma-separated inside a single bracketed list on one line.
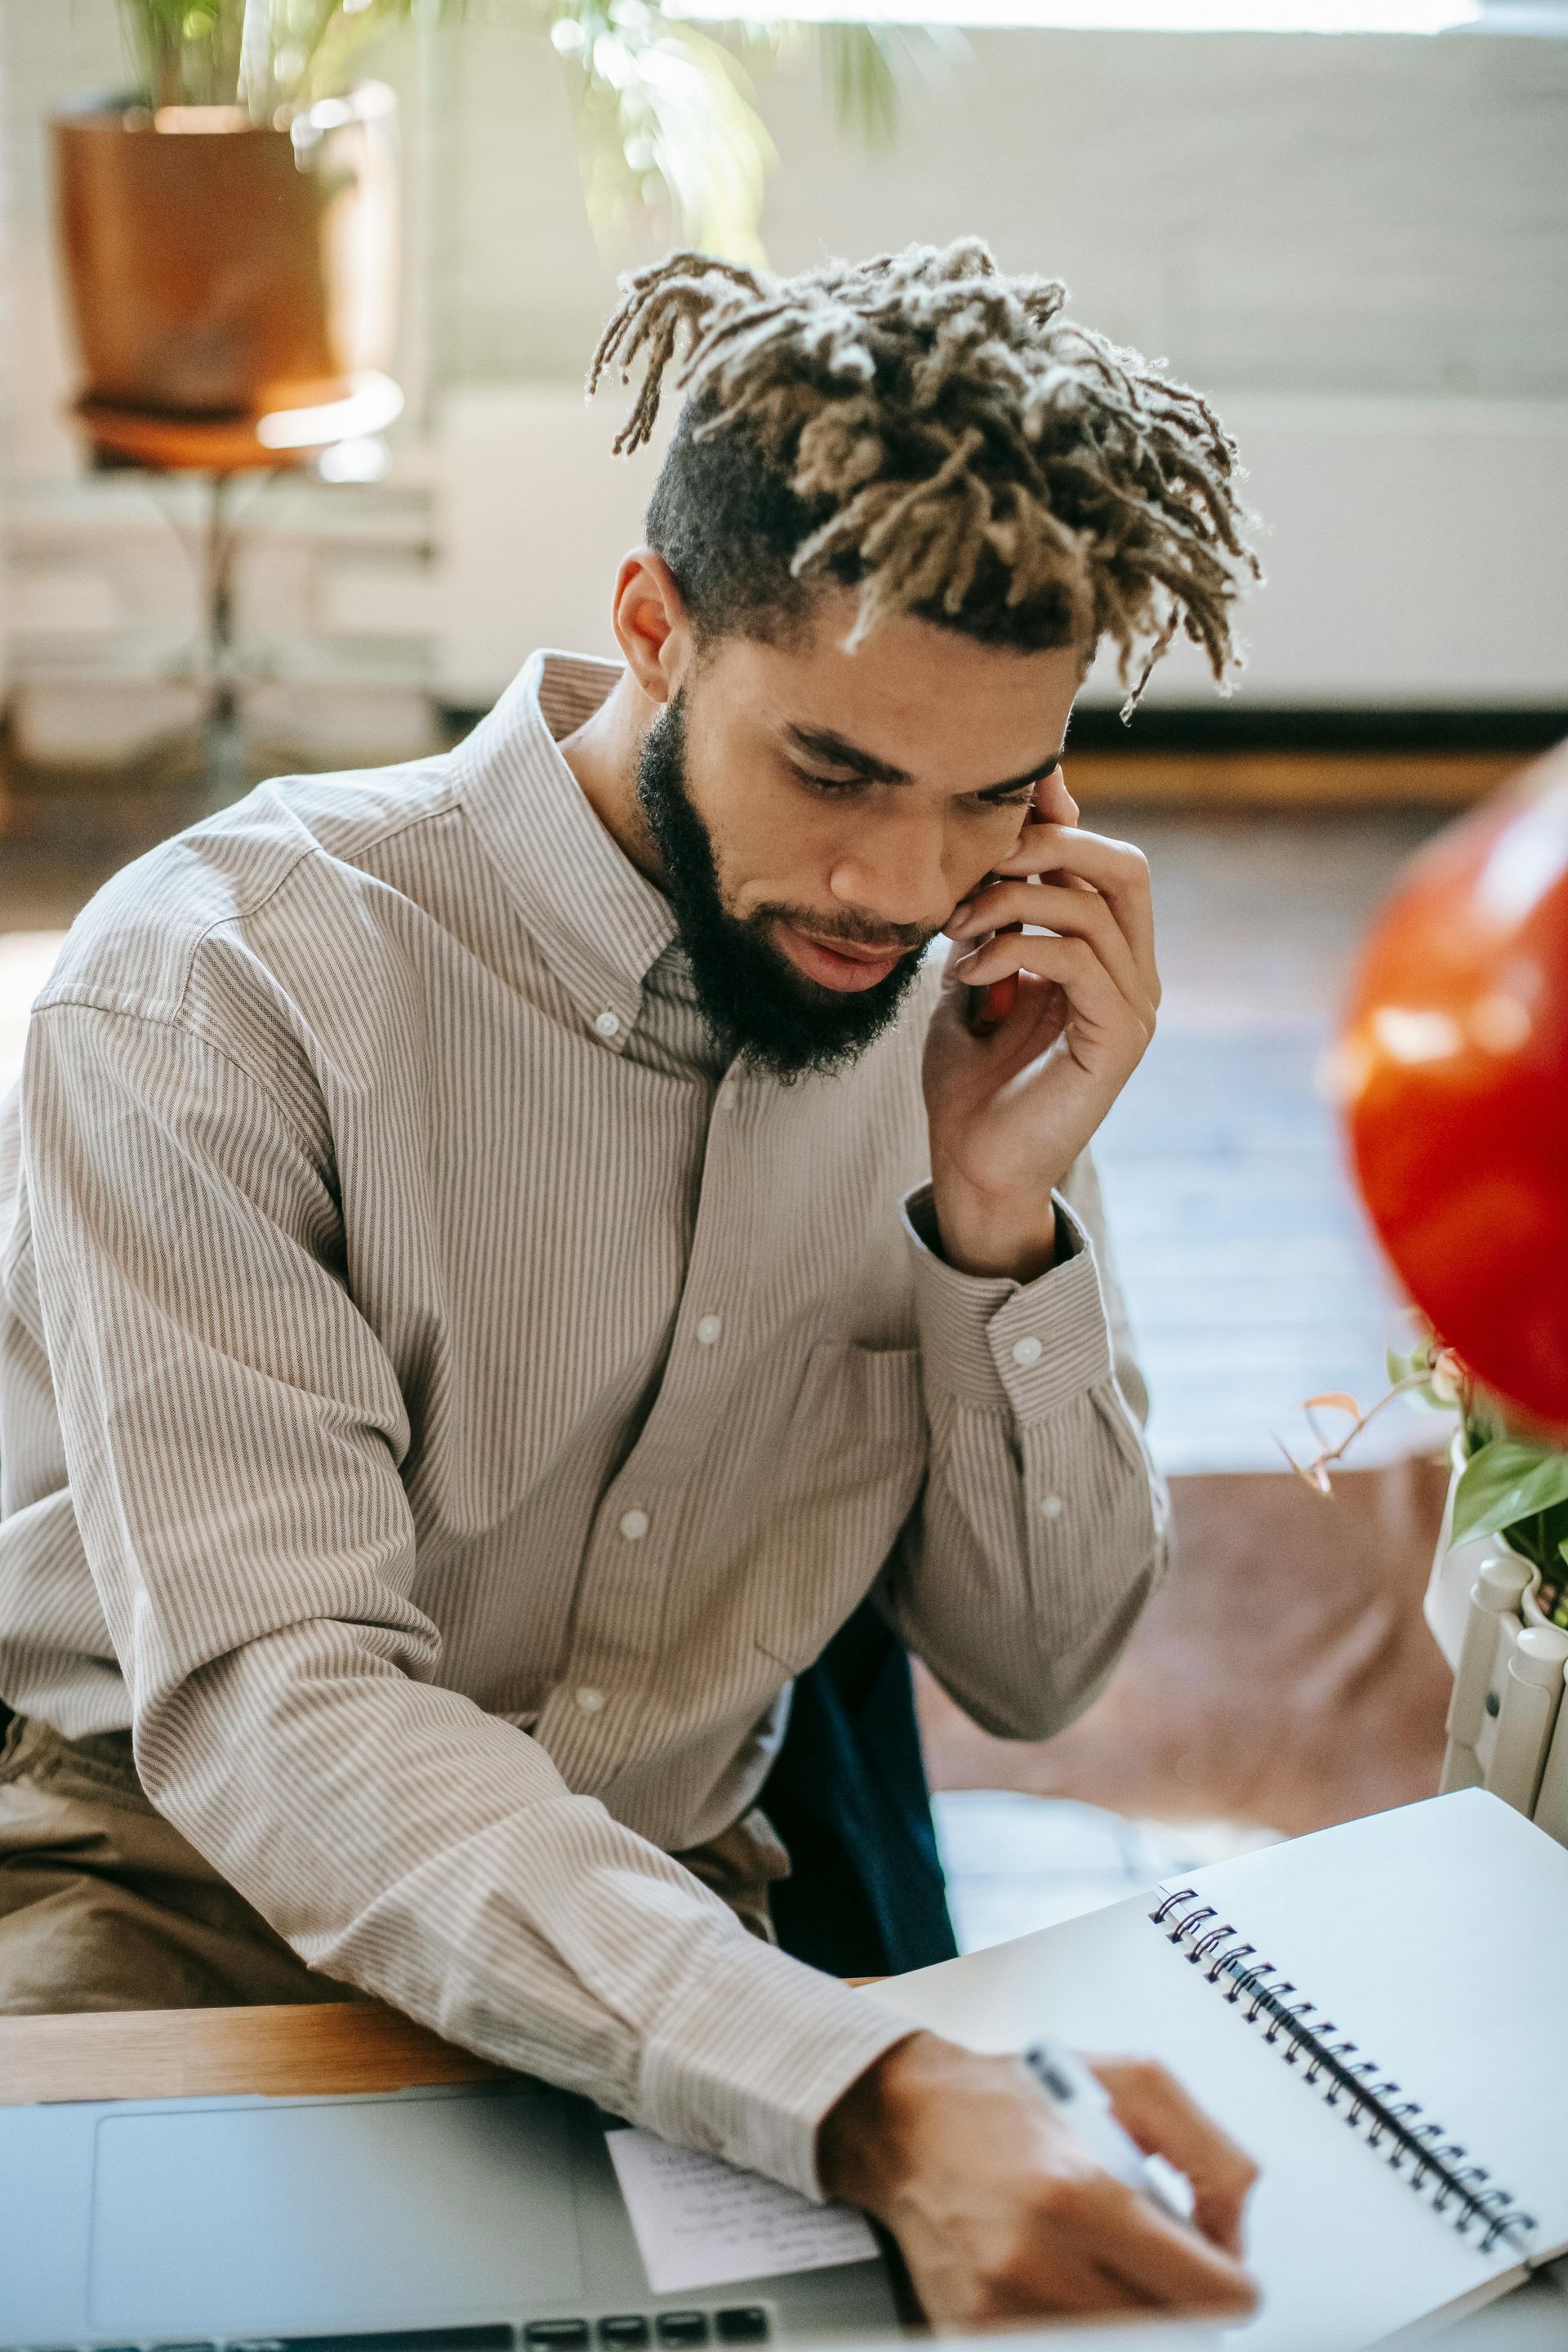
[(1006, 1346), (750, 2062)]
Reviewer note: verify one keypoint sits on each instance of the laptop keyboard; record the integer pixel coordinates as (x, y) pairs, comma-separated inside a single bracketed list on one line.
[(626, 2331)]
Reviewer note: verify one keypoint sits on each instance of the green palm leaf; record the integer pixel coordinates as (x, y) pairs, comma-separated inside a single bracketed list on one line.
[(859, 72)]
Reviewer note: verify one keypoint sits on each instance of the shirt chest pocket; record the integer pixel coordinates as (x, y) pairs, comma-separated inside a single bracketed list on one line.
[(850, 1470)]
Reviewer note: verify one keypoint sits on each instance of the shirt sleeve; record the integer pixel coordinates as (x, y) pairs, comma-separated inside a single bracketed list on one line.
[(238, 1446), (1043, 1527)]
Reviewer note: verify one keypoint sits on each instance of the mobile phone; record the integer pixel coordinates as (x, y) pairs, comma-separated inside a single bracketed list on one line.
[(989, 1006)]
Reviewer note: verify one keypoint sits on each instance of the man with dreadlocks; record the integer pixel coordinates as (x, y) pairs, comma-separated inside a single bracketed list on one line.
[(504, 1256)]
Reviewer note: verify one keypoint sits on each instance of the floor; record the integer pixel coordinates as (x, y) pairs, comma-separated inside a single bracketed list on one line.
[(1252, 1281), (1015, 1863)]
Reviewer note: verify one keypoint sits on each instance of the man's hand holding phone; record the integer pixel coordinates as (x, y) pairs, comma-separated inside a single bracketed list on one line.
[(1016, 1084), (1000, 2209)]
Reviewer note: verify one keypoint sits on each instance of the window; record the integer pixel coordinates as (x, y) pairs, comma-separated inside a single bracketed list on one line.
[(1159, 16)]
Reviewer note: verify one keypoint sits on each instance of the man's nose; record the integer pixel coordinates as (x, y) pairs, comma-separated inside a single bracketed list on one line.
[(901, 879)]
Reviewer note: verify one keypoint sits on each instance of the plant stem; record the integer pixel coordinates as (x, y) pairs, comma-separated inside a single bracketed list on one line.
[(1314, 1474)]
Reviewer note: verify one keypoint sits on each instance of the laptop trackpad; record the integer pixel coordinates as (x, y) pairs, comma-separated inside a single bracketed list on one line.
[(262, 2219)]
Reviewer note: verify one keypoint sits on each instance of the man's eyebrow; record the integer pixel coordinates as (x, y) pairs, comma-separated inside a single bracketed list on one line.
[(1048, 767), (835, 751)]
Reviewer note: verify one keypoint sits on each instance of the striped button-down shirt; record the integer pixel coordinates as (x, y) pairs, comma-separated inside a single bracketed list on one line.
[(441, 1405)]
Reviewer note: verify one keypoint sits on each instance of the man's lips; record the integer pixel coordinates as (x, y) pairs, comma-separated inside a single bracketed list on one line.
[(841, 965)]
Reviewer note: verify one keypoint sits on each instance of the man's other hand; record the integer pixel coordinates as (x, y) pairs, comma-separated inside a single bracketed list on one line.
[(1000, 2213)]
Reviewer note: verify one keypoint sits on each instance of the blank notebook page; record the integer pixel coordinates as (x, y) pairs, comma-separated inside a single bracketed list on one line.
[(1419, 1934)]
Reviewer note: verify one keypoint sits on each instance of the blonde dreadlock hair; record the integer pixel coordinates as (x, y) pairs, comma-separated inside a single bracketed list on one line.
[(930, 431)]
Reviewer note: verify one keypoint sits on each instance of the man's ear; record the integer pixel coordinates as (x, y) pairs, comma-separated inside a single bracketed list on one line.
[(651, 626)]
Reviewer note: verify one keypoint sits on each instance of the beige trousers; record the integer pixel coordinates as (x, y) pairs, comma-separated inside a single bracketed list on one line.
[(103, 1904)]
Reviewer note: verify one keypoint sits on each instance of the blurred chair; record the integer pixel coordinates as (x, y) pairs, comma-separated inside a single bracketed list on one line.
[(223, 451)]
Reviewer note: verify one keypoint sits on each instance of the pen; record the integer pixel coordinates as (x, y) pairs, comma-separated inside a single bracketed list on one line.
[(1082, 2101)]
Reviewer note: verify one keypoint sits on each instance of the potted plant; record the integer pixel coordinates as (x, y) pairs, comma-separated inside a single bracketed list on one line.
[(223, 268), (1508, 1490)]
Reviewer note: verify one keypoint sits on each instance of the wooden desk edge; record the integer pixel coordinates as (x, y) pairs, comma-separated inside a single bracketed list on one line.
[(292, 2052), (191, 2054)]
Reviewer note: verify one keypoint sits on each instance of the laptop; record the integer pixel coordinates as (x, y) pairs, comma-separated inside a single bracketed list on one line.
[(480, 2218), (477, 2218)]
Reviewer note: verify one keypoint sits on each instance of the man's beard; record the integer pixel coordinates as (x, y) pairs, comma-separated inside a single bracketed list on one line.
[(754, 999)]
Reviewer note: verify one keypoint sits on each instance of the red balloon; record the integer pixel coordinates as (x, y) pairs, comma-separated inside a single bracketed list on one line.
[(1453, 1071)]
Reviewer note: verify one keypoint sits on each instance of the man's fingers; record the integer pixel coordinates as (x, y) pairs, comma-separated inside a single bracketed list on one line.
[(1077, 971), (1073, 2288), (1082, 915), (1051, 2275), (1160, 2259), (1091, 2244), (999, 2207), (1154, 2109), (1054, 804), (1117, 869)]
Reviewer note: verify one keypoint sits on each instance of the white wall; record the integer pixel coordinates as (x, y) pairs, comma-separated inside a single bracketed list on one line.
[(1271, 212), (1286, 219), (1417, 549), (1360, 246), (1415, 554)]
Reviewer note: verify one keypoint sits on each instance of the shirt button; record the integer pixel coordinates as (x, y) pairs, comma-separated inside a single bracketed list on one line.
[(708, 1330), (608, 1024), (589, 1699), (1026, 1351), (729, 1095), (1051, 1506), (634, 1525)]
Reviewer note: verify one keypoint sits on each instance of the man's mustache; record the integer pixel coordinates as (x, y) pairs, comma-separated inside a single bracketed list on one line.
[(903, 939)]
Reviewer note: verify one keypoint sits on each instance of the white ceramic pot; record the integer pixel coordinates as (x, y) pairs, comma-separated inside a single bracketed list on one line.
[(1455, 1567)]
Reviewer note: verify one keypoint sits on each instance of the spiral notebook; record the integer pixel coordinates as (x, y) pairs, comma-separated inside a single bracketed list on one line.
[(1373, 2013)]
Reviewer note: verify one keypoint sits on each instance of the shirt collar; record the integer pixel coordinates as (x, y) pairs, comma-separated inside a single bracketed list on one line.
[(601, 922)]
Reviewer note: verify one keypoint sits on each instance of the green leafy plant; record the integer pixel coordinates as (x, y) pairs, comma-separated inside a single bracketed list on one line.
[(665, 108), (1512, 1485), (1514, 1488)]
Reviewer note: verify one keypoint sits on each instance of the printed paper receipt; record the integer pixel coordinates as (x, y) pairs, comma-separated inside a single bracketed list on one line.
[(702, 2223)]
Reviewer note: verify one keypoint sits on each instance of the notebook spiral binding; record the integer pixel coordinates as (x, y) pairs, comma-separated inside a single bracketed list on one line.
[(1374, 2105)]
